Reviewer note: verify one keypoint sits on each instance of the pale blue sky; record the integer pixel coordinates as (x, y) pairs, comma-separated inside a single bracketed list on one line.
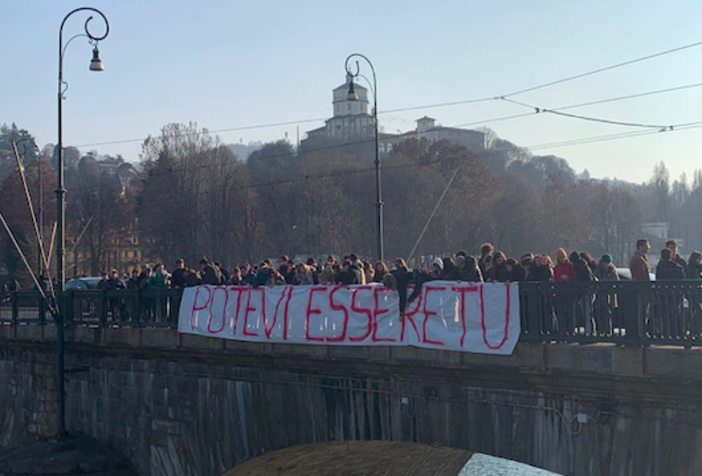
[(233, 63)]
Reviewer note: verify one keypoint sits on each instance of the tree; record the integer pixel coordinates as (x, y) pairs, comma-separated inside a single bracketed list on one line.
[(516, 216), (194, 198), (8, 162), (99, 198), (615, 221), (415, 176), (660, 186), (16, 211), (564, 225)]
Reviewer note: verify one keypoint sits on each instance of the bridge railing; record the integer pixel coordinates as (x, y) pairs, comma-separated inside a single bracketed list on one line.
[(123, 308), (639, 313), (624, 312)]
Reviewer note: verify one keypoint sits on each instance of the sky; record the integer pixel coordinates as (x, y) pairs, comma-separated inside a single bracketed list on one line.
[(229, 64)]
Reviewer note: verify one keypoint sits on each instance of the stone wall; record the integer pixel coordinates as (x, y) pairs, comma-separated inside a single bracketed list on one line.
[(186, 405)]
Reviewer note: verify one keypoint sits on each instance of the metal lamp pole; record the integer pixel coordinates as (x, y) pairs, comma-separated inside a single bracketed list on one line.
[(95, 65), (352, 96)]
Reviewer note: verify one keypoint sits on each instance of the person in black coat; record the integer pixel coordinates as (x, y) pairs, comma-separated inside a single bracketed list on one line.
[(694, 266), (515, 271), (178, 276), (541, 269), (672, 245), (498, 272), (401, 277), (224, 275), (348, 276), (583, 272), (449, 271), (209, 273), (467, 270), (667, 269)]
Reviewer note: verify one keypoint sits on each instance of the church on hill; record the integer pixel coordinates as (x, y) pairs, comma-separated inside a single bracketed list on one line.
[(352, 125), (351, 120)]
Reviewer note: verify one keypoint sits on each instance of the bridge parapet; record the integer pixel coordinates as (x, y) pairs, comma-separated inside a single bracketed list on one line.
[(599, 369)]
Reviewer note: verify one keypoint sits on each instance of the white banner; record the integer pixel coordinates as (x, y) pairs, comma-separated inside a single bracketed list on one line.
[(447, 315)]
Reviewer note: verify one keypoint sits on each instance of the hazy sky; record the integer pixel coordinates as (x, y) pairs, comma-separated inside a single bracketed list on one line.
[(225, 64)]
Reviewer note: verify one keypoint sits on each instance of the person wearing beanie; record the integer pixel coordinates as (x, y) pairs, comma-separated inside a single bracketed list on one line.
[(605, 270), (437, 266), (564, 271)]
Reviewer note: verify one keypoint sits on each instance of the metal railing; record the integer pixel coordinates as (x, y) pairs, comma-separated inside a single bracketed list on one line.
[(636, 313), (623, 312), (123, 308)]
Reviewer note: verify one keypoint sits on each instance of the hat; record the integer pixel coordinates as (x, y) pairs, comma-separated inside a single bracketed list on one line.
[(606, 259), (438, 262), (460, 260), (561, 254), (114, 271)]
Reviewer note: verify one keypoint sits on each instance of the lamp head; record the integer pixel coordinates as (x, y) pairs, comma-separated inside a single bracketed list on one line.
[(352, 96), (96, 63)]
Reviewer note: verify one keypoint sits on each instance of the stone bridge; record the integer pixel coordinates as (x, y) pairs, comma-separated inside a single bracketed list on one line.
[(186, 405)]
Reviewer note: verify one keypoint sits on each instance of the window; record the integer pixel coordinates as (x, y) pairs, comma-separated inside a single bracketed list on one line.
[(348, 106)]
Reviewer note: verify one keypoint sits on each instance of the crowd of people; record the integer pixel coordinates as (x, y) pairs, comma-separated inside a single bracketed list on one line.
[(489, 266), (564, 312)]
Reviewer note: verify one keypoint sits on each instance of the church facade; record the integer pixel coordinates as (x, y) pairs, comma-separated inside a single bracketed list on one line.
[(352, 125)]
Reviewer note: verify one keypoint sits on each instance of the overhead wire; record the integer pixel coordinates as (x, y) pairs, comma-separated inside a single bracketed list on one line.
[(583, 104), (602, 70), (539, 110), (437, 105)]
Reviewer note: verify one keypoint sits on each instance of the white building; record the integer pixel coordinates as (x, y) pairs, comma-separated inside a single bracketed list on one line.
[(659, 230), (428, 129), (352, 122), (351, 119)]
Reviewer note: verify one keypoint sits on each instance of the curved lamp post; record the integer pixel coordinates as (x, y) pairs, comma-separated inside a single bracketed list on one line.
[(352, 96), (95, 65)]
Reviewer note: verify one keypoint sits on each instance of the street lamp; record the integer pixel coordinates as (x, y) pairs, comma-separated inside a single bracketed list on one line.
[(95, 65), (352, 96)]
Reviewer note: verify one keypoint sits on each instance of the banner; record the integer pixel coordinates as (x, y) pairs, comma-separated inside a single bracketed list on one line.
[(481, 317)]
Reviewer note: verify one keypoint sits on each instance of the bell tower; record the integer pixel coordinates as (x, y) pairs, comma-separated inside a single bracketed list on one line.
[(343, 106)]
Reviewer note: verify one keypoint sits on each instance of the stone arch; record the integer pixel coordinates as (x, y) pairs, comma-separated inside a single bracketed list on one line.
[(347, 458)]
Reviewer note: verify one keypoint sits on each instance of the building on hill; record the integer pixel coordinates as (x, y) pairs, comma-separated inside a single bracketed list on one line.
[(352, 126), (351, 120), (429, 130)]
